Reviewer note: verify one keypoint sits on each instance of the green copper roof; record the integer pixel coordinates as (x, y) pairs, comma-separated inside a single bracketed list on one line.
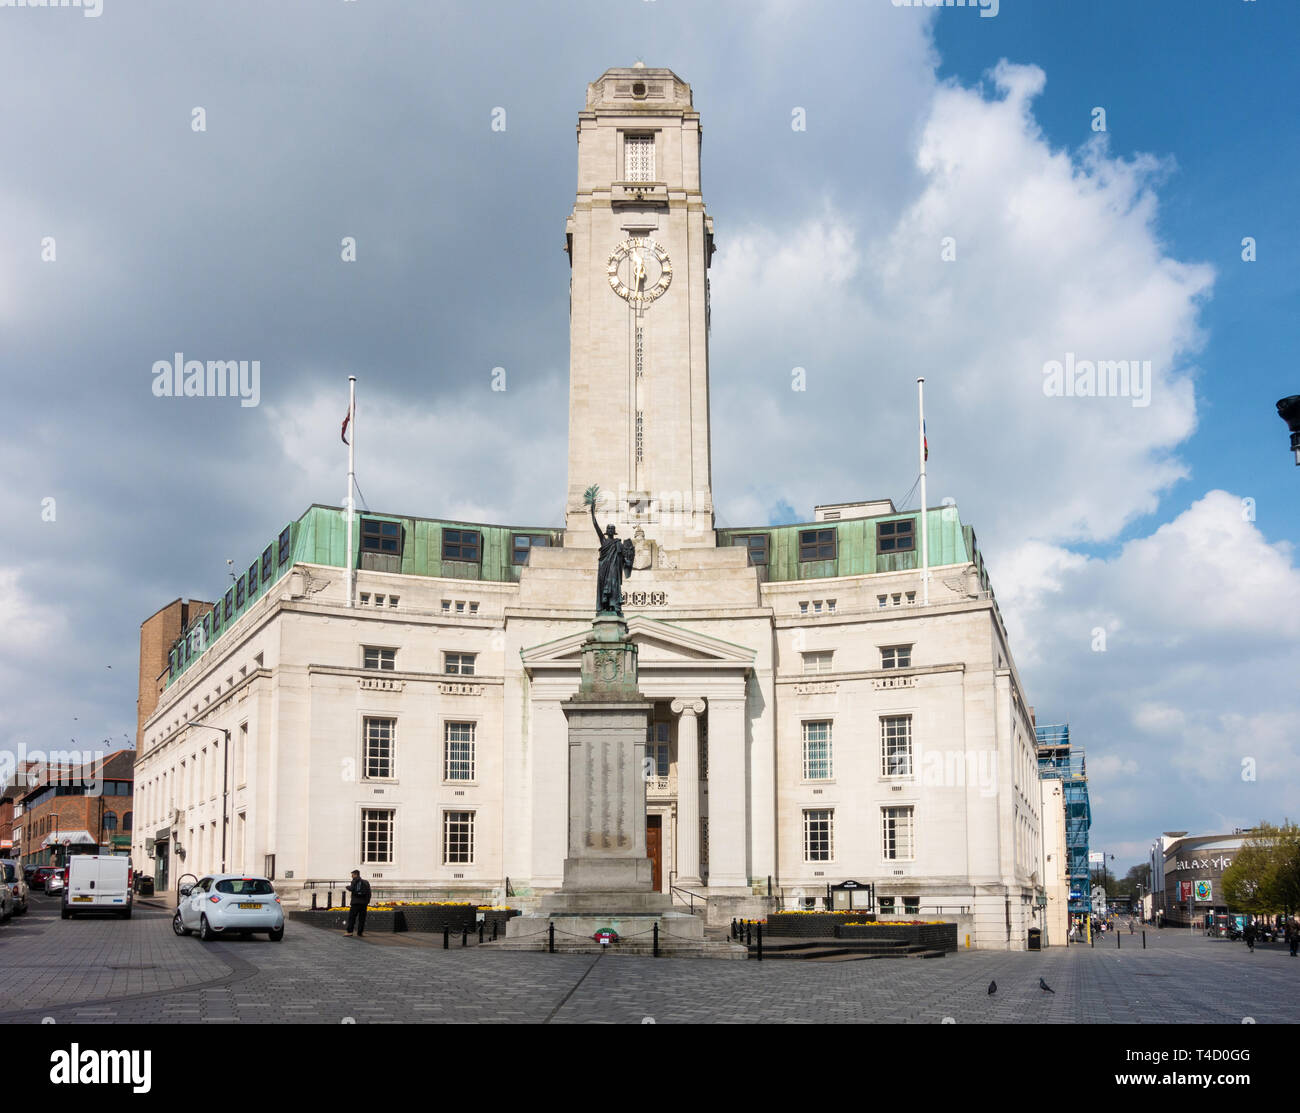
[(858, 546)]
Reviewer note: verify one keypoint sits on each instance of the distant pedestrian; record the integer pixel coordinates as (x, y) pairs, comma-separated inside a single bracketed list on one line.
[(360, 890), (1293, 936), (1130, 925), (1250, 937)]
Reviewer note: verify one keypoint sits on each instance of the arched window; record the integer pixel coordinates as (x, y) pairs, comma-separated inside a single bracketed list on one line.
[(126, 822), (110, 821)]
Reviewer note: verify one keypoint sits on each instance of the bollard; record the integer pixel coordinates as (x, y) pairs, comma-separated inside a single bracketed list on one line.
[(550, 937), (733, 929), (494, 931), (760, 941), (1118, 937), (656, 938), (749, 935), (313, 900), (446, 938), (329, 899), (464, 937), (1144, 940), (480, 931)]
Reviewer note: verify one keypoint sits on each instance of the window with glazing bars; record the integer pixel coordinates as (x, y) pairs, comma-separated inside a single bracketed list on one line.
[(896, 657), (817, 750), (377, 836), (896, 746), (377, 658), (817, 544), (458, 838), (379, 748), (897, 833), (458, 760), (459, 664), (818, 843), (895, 537), (461, 544), (381, 537)]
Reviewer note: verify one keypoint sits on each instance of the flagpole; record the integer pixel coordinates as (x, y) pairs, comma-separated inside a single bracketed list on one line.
[(925, 533), (352, 443)]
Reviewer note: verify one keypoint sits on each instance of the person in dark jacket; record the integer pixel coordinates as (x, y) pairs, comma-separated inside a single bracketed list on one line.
[(360, 890), (1250, 937), (1293, 936)]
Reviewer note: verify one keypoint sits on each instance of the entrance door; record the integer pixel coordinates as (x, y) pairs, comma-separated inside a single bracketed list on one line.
[(654, 846)]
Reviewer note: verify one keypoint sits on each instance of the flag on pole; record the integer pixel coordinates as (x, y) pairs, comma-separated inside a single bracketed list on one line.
[(925, 440), (344, 431)]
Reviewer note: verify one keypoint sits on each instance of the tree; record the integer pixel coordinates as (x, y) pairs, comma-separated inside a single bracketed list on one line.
[(1264, 877)]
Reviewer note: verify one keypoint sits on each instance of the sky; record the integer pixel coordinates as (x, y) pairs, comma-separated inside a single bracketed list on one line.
[(897, 191)]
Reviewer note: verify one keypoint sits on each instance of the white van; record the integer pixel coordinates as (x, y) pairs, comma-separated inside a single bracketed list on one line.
[(97, 883)]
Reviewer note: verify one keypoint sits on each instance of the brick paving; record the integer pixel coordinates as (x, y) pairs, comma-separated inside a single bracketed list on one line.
[(104, 971)]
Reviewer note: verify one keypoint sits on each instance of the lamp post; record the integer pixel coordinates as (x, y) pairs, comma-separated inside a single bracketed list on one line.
[(55, 816), (225, 783)]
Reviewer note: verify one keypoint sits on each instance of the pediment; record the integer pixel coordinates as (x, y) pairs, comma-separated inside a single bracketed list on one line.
[(659, 645)]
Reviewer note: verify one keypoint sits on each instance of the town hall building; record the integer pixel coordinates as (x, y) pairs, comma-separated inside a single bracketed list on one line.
[(816, 720)]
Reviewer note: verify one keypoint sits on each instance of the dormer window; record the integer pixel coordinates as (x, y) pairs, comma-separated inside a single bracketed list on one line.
[(638, 158)]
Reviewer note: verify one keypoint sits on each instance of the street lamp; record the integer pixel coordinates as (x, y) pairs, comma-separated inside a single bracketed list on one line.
[(225, 783), (1288, 409)]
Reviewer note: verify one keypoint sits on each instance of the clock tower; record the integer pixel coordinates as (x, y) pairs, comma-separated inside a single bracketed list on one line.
[(639, 245)]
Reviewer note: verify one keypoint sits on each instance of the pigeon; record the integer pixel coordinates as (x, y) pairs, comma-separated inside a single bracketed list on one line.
[(993, 988), (1045, 987)]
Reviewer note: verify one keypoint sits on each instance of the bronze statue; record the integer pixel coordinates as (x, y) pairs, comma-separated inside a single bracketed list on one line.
[(615, 562)]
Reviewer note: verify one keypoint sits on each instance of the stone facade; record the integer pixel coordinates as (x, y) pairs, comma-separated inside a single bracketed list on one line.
[(802, 730)]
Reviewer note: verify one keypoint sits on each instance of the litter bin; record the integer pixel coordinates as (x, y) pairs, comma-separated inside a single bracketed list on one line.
[(1035, 939)]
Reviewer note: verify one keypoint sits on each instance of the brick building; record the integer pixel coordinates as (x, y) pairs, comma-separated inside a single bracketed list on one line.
[(79, 809), (158, 634)]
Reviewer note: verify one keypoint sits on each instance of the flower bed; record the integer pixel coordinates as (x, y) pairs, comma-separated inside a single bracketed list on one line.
[(935, 934), (808, 922)]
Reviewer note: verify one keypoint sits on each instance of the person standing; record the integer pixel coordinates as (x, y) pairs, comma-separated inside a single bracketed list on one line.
[(360, 890), (1293, 936), (1250, 936)]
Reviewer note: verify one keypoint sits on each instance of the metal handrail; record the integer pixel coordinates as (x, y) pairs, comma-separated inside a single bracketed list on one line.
[(672, 889)]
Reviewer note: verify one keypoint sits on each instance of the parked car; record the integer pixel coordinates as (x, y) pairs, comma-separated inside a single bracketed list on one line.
[(97, 883), (54, 883), (40, 875), (11, 876), (6, 904), (229, 904)]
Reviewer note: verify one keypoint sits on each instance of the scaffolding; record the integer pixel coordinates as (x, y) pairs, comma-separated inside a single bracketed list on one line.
[(1059, 760)]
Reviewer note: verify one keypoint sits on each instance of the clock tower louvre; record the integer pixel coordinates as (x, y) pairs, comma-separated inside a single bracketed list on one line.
[(639, 244)]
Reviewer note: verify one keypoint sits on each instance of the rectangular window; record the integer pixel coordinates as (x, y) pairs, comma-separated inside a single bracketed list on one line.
[(266, 566), (374, 657), (523, 543), (239, 593), (216, 617), (461, 544), (896, 657), (379, 748), (458, 759), (639, 158), (252, 580), (459, 664), (818, 845), (377, 836), (365, 598), (284, 545), (381, 537), (897, 833), (817, 544), (755, 544), (896, 746), (886, 906), (656, 749), (895, 537), (230, 604), (458, 838), (881, 600), (818, 662), (817, 750)]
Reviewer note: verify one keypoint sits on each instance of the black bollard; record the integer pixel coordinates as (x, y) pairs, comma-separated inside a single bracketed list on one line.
[(760, 941), (550, 937), (481, 925), (446, 938), (733, 928), (494, 931), (1118, 937), (1144, 940), (329, 899), (656, 938), (313, 900)]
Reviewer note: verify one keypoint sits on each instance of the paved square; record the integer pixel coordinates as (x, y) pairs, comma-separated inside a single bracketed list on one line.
[(137, 971)]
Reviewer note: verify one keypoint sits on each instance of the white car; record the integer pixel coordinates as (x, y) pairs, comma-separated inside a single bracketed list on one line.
[(229, 904)]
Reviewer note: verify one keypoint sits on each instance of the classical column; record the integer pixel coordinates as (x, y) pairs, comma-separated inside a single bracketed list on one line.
[(688, 791)]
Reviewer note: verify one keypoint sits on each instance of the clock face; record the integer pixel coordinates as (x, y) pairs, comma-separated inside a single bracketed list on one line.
[(639, 270)]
